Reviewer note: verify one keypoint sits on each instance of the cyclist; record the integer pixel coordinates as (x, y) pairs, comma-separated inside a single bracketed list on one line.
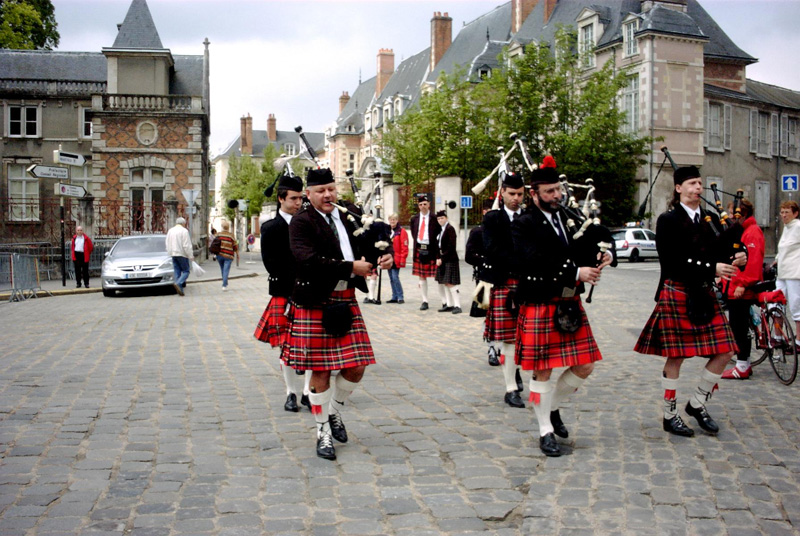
[(789, 261)]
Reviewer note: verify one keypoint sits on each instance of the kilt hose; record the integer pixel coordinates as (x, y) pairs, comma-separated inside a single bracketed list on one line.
[(423, 268), (541, 346), (500, 325), (309, 347), (273, 326), (448, 273), (669, 333)]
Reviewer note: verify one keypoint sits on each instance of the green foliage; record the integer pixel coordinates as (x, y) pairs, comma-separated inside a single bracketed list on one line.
[(247, 179), (28, 25)]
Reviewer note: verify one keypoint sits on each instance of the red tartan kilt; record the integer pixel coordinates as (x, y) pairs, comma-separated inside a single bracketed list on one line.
[(540, 346), (309, 347), (500, 325), (273, 326), (669, 333), (423, 269)]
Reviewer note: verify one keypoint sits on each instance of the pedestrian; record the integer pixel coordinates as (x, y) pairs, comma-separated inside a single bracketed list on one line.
[(474, 256), (788, 261), (179, 246), (327, 330), (448, 273), (497, 270), (424, 230), (400, 246), (552, 329), (687, 320), (228, 250), (81, 250), (273, 327), (740, 295)]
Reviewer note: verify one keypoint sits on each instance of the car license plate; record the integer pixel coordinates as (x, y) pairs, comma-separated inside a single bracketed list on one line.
[(136, 275)]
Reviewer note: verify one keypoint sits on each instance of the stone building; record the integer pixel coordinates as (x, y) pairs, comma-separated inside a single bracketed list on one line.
[(135, 112)]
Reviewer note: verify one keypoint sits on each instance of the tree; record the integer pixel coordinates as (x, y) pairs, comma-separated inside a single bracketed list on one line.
[(28, 25), (247, 179)]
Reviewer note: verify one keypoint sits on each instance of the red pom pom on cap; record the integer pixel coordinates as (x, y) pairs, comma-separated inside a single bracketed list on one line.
[(549, 162)]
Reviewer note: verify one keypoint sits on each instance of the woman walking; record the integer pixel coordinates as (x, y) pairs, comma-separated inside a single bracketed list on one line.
[(228, 249)]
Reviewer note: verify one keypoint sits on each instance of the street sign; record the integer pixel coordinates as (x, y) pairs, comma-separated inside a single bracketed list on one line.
[(48, 172), (69, 190), (71, 159), (789, 183), (466, 201)]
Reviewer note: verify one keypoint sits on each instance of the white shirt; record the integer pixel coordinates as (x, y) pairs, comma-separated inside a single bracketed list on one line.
[(287, 217), (441, 235), (79, 243), (426, 218), (511, 212), (344, 240), (692, 211)]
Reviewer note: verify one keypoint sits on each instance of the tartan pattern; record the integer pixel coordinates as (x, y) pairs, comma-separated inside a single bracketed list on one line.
[(500, 325), (540, 346), (669, 333), (309, 347), (423, 269), (448, 273), (273, 326)]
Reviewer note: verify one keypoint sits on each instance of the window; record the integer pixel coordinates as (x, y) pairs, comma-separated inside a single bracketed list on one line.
[(148, 213), (587, 45), (630, 103), (289, 149), (717, 125), (23, 194), (86, 123), (398, 108), (631, 46), (484, 73), (23, 121), (761, 133), (792, 145), (352, 161)]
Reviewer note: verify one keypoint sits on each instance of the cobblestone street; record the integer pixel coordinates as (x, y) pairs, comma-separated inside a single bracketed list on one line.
[(153, 414)]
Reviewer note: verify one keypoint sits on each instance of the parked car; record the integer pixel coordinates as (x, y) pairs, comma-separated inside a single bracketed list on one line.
[(635, 243), (137, 262)]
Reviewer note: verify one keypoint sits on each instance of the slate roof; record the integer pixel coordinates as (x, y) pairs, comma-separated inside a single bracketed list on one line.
[(260, 141), (408, 77), (487, 58), (52, 65), (138, 31), (759, 93), (353, 112)]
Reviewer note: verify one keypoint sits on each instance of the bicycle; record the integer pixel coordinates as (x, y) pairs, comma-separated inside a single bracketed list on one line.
[(771, 331)]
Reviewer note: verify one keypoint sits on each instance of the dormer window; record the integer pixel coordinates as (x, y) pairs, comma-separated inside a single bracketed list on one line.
[(586, 45), (629, 37), (290, 149), (484, 72), (398, 107)]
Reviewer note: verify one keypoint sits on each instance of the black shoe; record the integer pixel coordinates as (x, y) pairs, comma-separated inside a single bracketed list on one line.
[(445, 309), (676, 426), (391, 301), (338, 430), (305, 401), (703, 418), (517, 377), (514, 400), (291, 403), (325, 447), (493, 361), (424, 306), (78, 286), (456, 310), (549, 445), (369, 300), (401, 301), (558, 425)]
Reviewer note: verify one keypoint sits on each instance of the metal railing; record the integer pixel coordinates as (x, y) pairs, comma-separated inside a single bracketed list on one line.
[(20, 275)]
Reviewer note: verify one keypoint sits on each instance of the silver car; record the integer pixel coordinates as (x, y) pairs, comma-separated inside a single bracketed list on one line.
[(137, 262), (635, 243)]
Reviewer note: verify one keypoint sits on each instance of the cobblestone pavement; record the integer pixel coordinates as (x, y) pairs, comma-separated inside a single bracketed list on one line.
[(154, 414)]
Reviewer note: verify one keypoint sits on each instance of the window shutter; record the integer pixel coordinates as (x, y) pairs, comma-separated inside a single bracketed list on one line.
[(753, 131), (784, 135), (773, 126), (727, 126), (707, 122)]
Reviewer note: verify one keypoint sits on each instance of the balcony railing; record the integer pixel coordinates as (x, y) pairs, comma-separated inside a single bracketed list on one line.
[(152, 103)]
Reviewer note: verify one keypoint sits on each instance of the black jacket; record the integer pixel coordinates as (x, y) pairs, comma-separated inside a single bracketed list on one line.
[(447, 251), (498, 246), (474, 253), (277, 256), (433, 231)]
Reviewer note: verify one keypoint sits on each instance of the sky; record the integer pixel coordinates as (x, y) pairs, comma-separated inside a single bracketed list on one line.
[(294, 58)]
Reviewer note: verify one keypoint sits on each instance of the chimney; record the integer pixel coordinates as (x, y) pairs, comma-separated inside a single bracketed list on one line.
[(385, 69), (343, 100), (520, 9), (441, 36), (272, 132), (549, 6), (246, 139)]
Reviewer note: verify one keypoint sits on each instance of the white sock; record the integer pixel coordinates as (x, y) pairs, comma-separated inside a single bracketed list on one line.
[(319, 401), (423, 287), (509, 368), (449, 293), (306, 383), (443, 295), (670, 387), (456, 298), (542, 398), (342, 389), (288, 379), (371, 288), (708, 381), (742, 365), (567, 384)]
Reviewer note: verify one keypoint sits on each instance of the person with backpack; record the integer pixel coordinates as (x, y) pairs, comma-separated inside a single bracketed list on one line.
[(226, 250)]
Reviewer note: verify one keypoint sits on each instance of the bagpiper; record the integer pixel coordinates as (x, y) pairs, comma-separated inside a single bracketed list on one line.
[(424, 230)]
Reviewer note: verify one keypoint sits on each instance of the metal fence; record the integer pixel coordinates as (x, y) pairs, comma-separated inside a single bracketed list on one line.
[(20, 275), (48, 257)]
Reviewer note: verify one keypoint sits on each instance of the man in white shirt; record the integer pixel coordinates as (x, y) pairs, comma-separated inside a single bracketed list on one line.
[(179, 246)]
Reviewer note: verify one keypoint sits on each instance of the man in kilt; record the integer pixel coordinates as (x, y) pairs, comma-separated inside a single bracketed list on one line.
[(273, 326), (496, 269), (424, 230), (448, 273), (327, 330), (552, 328), (687, 320)]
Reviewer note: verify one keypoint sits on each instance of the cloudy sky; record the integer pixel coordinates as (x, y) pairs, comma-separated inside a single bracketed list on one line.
[(294, 58)]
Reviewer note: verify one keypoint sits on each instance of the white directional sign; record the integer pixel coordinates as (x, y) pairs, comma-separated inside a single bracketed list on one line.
[(72, 159), (48, 172), (789, 183), (70, 191)]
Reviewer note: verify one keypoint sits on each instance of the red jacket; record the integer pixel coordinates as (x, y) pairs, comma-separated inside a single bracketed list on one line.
[(400, 246), (87, 247), (753, 239)]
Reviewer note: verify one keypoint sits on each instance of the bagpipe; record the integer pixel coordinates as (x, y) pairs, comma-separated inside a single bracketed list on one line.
[(502, 168)]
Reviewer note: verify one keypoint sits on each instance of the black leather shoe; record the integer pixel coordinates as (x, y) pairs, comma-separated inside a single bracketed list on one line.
[(401, 301), (493, 361), (391, 301), (558, 424), (369, 300), (445, 309), (517, 377), (514, 400), (703, 419), (456, 310), (325, 447), (305, 401), (424, 306), (338, 430), (676, 426), (549, 445), (291, 403)]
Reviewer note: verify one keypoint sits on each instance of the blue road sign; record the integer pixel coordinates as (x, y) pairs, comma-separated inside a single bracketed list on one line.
[(466, 201), (789, 183)]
